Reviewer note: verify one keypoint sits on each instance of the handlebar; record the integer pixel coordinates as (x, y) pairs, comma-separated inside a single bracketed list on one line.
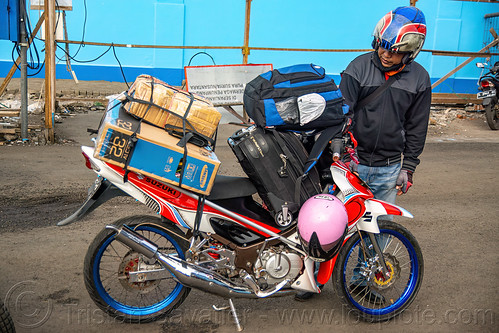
[(337, 148), (344, 147), (345, 144)]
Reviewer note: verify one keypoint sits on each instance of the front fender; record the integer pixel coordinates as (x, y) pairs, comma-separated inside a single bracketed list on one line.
[(376, 208)]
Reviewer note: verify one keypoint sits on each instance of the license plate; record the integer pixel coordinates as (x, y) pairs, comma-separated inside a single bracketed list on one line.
[(486, 93)]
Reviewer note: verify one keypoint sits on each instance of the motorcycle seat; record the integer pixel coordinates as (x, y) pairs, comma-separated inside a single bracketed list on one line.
[(227, 187)]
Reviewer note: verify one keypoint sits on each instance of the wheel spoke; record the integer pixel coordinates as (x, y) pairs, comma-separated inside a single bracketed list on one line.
[(386, 245), (377, 297), (133, 301), (114, 250), (405, 265)]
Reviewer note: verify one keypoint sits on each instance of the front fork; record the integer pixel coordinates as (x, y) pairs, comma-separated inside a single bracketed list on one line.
[(372, 237), (384, 268)]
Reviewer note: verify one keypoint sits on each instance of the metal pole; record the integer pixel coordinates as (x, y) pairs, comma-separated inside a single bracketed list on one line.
[(24, 77)]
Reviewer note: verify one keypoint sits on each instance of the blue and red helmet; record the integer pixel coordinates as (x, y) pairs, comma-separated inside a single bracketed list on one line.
[(402, 30)]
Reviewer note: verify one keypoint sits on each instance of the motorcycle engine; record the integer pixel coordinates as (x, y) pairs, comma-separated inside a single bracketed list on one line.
[(275, 265)]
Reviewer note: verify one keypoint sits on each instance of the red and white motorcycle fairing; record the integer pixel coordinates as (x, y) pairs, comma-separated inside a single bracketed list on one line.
[(180, 206)]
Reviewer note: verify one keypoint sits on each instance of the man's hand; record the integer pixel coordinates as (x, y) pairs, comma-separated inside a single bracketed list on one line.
[(404, 181), (354, 166)]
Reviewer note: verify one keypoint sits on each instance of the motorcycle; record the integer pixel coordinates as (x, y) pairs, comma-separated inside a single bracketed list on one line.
[(488, 84), (141, 268)]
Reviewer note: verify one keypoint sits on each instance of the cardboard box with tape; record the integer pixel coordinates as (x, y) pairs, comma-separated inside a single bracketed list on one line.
[(165, 106), (156, 153)]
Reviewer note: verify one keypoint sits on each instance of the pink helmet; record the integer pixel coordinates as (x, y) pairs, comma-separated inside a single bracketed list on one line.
[(322, 226)]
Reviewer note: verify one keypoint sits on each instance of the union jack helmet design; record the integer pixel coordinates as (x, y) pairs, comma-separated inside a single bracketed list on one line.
[(402, 30)]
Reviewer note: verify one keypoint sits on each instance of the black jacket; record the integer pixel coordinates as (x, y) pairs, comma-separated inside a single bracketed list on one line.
[(395, 123)]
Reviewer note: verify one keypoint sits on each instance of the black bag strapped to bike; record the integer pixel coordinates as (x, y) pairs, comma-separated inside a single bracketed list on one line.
[(275, 162), (299, 97)]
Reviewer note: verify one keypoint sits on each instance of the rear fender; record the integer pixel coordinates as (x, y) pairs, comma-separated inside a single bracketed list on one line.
[(106, 172), (99, 193), (376, 208), (487, 101)]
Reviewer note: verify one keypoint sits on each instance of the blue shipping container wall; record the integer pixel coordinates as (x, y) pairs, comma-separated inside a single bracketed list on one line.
[(321, 24)]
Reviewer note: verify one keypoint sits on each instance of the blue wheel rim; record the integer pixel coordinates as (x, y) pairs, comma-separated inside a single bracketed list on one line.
[(133, 310), (410, 287)]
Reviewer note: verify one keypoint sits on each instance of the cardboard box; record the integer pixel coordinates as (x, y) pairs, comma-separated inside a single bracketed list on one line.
[(202, 116), (156, 153)]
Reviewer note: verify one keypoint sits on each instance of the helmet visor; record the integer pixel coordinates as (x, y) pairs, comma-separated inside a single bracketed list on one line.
[(397, 33)]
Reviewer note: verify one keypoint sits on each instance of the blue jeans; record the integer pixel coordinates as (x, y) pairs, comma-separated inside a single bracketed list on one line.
[(382, 181)]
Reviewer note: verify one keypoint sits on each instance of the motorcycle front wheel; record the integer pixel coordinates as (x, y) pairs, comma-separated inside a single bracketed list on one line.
[(358, 279), (492, 114), (108, 265)]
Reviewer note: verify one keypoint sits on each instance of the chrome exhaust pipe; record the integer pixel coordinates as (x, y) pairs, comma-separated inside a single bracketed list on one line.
[(133, 240), (191, 275)]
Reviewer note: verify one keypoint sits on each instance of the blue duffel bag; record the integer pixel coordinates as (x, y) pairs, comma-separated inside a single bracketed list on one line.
[(299, 97)]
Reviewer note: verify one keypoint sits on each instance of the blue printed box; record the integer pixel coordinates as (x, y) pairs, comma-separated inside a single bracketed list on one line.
[(156, 153)]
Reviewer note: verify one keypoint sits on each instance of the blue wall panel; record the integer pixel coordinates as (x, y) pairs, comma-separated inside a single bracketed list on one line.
[(9, 20), (323, 24), (168, 30)]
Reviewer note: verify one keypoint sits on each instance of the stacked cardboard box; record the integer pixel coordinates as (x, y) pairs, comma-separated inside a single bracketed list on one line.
[(170, 105), (156, 153)]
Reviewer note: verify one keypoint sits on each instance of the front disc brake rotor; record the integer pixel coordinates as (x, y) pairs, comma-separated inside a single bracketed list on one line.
[(384, 282)]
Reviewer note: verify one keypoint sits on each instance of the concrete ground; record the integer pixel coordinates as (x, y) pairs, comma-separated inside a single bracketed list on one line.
[(454, 202)]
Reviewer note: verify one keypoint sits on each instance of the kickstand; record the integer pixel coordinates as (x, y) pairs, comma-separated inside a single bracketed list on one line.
[(232, 309)]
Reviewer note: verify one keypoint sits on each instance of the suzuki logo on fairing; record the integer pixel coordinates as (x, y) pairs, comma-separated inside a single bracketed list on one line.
[(367, 217), (171, 192)]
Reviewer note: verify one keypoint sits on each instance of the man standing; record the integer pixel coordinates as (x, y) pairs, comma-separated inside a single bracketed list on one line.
[(390, 96), (391, 123)]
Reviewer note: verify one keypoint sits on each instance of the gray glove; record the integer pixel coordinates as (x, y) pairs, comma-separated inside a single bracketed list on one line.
[(404, 181), (354, 166)]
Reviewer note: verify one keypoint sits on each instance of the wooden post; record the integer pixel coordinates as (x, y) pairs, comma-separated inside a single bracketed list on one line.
[(246, 50), (49, 6), (413, 2)]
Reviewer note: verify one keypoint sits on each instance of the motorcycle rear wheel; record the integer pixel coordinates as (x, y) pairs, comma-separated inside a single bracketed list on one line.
[(108, 262), (361, 286), (6, 322), (492, 113)]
